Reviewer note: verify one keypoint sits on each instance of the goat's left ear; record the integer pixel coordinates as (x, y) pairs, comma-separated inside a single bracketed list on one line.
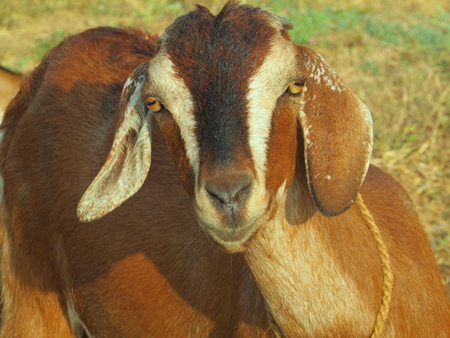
[(128, 162), (337, 129)]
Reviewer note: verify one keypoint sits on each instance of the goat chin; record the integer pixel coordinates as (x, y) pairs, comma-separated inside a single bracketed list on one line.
[(130, 163), (235, 239), (233, 233)]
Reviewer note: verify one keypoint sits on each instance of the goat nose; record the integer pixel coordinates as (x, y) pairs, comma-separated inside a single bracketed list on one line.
[(230, 189)]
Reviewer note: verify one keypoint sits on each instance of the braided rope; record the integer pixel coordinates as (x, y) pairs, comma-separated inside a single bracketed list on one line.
[(388, 277)]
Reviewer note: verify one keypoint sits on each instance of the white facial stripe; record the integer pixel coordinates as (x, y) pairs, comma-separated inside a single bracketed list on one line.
[(175, 95), (265, 87)]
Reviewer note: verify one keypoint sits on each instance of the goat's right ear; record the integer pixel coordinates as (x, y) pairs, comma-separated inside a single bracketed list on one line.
[(128, 162)]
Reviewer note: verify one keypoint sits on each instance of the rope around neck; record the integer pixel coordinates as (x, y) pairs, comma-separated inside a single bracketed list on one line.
[(386, 269)]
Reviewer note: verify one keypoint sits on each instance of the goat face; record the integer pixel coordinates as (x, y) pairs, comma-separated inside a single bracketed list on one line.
[(228, 93)]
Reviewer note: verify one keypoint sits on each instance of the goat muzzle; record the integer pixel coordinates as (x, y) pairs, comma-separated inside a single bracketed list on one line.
[(229, 192), (225, 205)]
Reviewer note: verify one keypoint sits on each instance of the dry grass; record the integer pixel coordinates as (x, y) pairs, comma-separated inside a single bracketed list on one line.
[(394, 54)]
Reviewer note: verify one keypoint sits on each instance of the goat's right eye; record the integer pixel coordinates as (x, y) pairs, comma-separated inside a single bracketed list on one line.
[(153, 104), (296, 87)]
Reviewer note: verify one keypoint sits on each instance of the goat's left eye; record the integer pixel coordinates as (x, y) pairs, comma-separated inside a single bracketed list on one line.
[(153, 104), (296, 87)]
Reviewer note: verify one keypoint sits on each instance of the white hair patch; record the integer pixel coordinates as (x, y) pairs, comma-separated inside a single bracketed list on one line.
[(265, 87), (321, 71), (176, 96)]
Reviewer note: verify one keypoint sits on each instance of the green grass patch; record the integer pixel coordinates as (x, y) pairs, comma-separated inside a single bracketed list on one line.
[(423, 35)]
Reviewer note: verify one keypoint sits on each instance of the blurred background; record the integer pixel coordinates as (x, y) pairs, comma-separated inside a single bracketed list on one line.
[(394, 54)]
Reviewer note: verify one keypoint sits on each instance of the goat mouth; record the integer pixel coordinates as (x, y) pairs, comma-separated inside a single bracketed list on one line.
[(231, 235), (231, 240)]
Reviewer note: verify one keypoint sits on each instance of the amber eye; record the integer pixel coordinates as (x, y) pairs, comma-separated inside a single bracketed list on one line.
[(296, 87), (153, 104)]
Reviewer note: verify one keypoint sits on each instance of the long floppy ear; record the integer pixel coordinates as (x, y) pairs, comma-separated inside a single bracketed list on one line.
[(128, 162), (337, 130)]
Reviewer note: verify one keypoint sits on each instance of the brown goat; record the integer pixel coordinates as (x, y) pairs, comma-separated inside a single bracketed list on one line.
[(9, 86), (269, 146)]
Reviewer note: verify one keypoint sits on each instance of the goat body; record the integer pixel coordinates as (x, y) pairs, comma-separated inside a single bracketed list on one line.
[(257, 145), (147, 271)]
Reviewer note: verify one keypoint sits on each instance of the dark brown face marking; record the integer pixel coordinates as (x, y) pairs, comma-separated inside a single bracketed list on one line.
[(219, 79), (216, 56)]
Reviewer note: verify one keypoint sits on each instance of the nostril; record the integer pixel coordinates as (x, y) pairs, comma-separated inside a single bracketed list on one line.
[(229, 189), (217, 197), (214, 194)]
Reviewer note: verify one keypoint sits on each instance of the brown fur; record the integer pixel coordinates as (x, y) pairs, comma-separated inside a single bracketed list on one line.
[(419, 307), (144, 271), (146, 268)]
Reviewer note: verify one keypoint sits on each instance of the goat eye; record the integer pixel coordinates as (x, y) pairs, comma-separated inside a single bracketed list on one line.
[(153, 104), (296, 87)]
